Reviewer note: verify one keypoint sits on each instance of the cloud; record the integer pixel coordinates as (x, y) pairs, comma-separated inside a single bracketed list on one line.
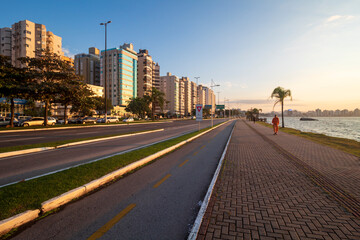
[(68, 53), (338, 18)]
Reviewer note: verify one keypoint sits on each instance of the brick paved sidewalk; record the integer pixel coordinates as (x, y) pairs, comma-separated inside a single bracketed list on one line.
[(260, 194)]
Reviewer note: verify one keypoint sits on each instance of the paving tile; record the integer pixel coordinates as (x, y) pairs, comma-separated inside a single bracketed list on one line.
[(261, 194)]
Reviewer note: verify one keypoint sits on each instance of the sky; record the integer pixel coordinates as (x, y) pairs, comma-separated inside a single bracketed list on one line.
[(247, 47)]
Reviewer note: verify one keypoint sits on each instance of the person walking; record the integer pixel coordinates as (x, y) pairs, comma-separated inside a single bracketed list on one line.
[(275, 122)]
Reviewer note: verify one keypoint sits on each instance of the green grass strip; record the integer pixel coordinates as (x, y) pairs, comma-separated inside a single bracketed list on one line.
[(23, 196), (344, 144), (58, 143)]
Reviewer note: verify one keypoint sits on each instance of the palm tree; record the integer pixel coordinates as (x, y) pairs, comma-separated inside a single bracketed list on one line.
[(156, 98), (280, 94)]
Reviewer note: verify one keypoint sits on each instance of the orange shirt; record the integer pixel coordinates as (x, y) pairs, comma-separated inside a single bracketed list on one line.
[(275, 121)]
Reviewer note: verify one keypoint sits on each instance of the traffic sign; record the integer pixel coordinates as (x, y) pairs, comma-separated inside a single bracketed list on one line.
[(220, 107), (199, 112)]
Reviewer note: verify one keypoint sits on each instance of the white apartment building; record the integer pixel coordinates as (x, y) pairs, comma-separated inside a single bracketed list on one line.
[(186, 84), (5, 42), (27, 38), (169, 84)]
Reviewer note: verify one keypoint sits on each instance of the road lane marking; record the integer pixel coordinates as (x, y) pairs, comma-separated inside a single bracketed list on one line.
[(14, 140), (195, 153), (184, 163), (99, 233), (161, 181), (202, 147)]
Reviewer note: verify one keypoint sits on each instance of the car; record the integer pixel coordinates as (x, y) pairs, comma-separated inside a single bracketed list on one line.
[(193, 117), (108, 120), (38, 121), (89, 120), (75, 120), (130, 119), (4, 121)]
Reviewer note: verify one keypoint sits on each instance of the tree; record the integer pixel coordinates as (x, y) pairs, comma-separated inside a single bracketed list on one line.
[(48, 71), (156, 98), (100, 104), (138, 106), (253, 114), (71, 91), (280, 94), (13, 84)]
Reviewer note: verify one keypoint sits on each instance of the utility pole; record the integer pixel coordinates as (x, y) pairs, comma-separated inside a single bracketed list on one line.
[(213, 85)]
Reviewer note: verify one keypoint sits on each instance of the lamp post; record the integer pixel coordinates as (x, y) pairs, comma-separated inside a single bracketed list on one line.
[(197, 97), (105, 70), (227, 100), (213, 85)]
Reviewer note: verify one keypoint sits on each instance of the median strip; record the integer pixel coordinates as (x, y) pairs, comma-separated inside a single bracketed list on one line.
[(63, 186), (68, 143)]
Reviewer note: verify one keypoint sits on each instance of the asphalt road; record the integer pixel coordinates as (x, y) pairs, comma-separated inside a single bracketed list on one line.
[(159, 201), (43, 136), (17, 168)]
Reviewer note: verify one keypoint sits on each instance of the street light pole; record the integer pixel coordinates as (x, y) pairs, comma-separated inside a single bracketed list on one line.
[(213, 85), (197, 96), (105, 70)]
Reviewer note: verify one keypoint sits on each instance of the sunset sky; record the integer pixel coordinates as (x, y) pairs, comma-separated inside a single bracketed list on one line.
[(248, 47)]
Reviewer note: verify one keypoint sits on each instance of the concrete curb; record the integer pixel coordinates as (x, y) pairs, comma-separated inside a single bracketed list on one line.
[(7, 224), (32, 150), (20, 152), (88, 126), (108, 138), (196, 227)]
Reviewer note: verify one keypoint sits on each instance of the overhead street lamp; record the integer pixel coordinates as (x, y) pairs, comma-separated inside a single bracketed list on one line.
[(105, 70), (213, 85)]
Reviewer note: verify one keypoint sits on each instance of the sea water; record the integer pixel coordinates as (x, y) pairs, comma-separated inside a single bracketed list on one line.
[(343, 127)]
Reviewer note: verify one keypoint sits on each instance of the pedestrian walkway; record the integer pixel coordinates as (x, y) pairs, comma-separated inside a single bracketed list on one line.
[(282, 190)]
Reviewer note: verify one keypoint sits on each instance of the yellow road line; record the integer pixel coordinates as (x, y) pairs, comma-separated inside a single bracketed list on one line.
[(202, 147), (195, 153), (184, 163), (99, 233), (161, 181)]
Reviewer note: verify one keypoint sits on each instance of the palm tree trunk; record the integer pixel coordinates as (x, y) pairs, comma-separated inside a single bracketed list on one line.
[(282, 113), (12, 109)]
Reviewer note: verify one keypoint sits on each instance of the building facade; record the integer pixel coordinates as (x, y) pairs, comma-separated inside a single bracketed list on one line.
[(186, 83), (5, 42), (169, 84), (145, 73), (121, 74), (28, 39), (88, 66)]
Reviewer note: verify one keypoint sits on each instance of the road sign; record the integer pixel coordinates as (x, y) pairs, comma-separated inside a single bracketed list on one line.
[(220, 107), (199, 112), (207, 106)]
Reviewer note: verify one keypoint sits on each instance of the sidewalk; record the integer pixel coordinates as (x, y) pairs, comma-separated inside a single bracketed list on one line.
[(263, 194)]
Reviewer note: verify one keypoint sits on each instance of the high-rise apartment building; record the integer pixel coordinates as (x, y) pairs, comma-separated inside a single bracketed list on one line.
[(28, 38), (145, 73), (169, 84), (187, 95), (121, 74), (201, 94), (156, 79), (209, 97), (194, 96), (5, 42), (88, 66), (181, 97)]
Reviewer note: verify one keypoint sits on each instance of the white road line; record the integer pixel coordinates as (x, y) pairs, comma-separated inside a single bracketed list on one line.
[(19, 139)]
